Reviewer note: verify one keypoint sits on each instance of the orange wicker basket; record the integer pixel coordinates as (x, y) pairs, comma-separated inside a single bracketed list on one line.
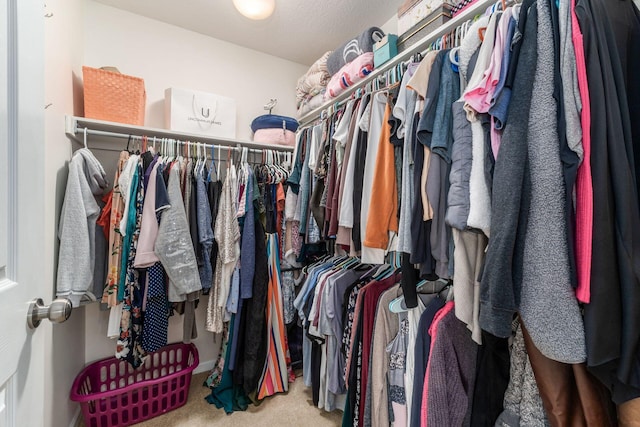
[(113, 96)]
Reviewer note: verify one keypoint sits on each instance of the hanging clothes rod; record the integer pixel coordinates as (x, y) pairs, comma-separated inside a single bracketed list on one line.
[(171, 141), (75, 127)]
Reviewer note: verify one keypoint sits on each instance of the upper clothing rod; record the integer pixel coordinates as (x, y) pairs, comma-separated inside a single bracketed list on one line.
[(480, 6)]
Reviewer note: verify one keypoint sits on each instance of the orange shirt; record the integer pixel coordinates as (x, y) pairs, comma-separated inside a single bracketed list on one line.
[(383, 208)]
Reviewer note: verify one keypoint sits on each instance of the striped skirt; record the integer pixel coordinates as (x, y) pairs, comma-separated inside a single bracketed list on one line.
[(277, 369)]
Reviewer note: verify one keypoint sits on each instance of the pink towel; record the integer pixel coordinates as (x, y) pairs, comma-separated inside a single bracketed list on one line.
[(276, 136), (349, 75)]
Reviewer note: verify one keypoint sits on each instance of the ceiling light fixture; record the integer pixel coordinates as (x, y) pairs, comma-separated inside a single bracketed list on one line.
[(255, 9)]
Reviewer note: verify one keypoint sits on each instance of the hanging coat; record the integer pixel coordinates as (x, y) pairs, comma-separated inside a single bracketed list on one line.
[(612, 319)]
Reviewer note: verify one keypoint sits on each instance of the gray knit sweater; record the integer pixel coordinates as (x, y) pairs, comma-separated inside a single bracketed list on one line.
[(452, 374), (548, 304)]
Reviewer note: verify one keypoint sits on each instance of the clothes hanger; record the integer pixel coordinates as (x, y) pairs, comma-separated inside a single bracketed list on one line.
[(453, 57), (388, 272), (243, 175), (438, 287), (213, 164), (195, 158), (340, 261), (395, 306), (431, 286), (171, 149), (203, 157), (481, 32), (85, 138), (347, 262), (354, 263), (382, 272)]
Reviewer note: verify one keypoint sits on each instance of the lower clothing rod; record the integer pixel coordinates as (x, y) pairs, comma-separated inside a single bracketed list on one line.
[(80, 131)]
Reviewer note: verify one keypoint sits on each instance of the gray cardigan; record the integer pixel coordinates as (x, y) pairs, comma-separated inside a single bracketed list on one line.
[(548, 304), (527, 264), (500, 290)]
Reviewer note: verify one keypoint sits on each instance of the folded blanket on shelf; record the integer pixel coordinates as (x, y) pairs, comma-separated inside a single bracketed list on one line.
[(275, 136), (310, 104), (460, 6), (314, 81), (349, 75), (320, 66), (352, 49), (273, 121), (311, 85)]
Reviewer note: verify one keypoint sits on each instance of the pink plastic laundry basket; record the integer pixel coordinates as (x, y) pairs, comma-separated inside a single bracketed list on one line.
[(112, 393)]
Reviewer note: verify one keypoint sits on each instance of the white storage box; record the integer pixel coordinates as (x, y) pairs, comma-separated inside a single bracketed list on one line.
[(198, 112), (418, 12)]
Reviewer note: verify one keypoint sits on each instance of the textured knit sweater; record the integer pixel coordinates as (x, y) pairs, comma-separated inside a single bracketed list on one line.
[(548, 306), (452, 364)]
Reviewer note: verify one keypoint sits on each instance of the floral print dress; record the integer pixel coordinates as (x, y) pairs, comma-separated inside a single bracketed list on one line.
[(110, 294), (129, 346), (397, 350)]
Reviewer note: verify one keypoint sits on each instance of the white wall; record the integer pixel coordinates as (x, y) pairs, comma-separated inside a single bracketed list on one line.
[(65, 344), (168, 56), (391, 26), (82, 32)]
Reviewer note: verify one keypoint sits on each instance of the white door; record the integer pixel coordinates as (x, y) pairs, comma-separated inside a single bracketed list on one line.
[(22, 350)]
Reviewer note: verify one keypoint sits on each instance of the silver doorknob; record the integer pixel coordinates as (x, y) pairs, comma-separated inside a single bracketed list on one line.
[(58, 311)]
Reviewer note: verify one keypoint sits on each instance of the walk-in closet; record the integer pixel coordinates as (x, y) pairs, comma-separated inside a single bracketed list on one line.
[(363, 213)]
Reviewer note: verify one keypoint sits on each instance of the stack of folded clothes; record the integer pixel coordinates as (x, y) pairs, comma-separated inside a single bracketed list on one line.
[(273, 129), (311, 86), (460, 6), (352, 62)]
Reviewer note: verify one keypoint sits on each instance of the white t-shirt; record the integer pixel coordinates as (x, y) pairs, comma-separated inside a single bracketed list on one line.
[(345, 218)]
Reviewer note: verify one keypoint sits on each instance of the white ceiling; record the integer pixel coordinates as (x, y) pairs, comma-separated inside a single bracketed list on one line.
[(299, 30)]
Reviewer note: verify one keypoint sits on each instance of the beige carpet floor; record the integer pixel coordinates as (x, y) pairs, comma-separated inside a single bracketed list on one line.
[(294, 408)]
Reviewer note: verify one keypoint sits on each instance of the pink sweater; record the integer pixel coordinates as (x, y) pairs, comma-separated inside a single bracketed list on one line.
[(584, 185)]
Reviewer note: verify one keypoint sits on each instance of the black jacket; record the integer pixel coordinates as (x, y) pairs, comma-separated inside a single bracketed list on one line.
[(612, 319)]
